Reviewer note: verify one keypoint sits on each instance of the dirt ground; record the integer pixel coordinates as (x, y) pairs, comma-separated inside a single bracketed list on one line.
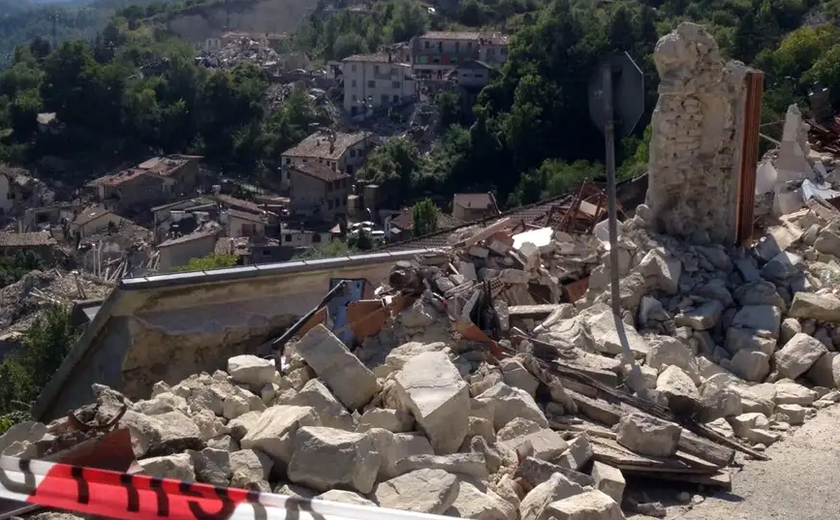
[(801, 481)]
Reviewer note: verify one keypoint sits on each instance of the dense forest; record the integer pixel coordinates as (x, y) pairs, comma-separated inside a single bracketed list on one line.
[(131, 90)]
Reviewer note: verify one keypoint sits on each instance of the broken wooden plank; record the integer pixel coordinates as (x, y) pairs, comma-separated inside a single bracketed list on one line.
[(596, 409), (533, 311), (612, 453), (706, 450), (722, 479)]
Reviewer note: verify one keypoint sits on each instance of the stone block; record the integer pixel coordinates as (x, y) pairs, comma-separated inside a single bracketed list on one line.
[(591, 505), (609, 480), (579, 453), (824, 307), (431, 388), (509, 403), (648, 435), (393, 420), (330, 412), (430, 491), (275, 430), (325, 458), (798, 355), (557, 487), (348, 379), (483, 503), (251, 370)]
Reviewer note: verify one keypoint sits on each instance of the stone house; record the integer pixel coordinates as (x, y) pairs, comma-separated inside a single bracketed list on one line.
[(179, 251), (318, 191), (41, 243), (93, 220), (131, 189), (473, 206), (154, 181), (340, 151), (244, 224)]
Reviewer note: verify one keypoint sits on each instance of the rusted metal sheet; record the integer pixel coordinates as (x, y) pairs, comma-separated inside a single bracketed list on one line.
[(317, 318), (366, 317), (749, 156), (576, 290)]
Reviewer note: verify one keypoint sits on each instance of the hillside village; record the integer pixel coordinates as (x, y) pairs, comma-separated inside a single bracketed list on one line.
[(230, 254), (467, 362)]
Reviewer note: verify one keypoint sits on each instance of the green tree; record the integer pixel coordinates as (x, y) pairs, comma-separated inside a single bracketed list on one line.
[(449, 105), (393, 167), (424, 218), (360, 241), (211, 261), (25, 372)]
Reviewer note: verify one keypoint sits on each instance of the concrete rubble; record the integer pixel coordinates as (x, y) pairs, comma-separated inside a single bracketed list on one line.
[(485, 382)]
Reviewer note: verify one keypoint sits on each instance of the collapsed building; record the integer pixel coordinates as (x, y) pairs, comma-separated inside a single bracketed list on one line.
[(488, 377)]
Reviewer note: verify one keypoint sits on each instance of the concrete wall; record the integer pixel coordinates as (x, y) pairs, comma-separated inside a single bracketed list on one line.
[(181, 254), (168, 327)]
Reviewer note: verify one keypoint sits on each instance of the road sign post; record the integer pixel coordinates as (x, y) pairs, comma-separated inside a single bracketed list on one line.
[(617, 87)]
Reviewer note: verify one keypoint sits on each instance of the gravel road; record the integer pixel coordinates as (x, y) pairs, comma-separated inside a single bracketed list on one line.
[(802, 480)]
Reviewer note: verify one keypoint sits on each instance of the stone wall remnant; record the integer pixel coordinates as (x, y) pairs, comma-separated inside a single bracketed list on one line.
[(696, 133)]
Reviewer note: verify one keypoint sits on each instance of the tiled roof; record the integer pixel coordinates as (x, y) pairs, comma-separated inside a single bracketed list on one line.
[(187, 238), (451, 35), (317, 145), (165, 166), (89, 215), (246, 215), (473, 200), (405, 220), (370, 58), (320, 171), (233, 202), (26, 239)]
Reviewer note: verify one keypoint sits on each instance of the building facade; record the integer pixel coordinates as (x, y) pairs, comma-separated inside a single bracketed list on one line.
[(372, 81), (339, 151), (435, 54), (318, 191)]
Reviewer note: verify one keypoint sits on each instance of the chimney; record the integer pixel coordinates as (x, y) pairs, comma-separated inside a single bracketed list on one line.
[(390, 58)]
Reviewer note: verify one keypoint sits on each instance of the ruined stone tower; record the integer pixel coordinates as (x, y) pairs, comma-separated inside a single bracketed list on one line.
[(696, 134)]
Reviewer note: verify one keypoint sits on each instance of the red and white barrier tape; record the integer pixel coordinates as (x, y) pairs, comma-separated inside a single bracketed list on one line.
[(140, 497)]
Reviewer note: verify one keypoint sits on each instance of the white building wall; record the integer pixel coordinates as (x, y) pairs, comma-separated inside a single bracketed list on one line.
[(392, 83)]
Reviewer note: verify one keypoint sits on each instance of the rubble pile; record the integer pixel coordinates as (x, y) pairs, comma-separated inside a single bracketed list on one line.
[(241, 49), (23, 301), (478, 399)]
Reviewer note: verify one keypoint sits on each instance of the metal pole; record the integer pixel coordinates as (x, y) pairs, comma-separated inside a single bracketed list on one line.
[(635, 376), (609, 142)]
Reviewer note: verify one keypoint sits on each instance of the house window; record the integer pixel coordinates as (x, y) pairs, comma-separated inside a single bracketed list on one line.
[(354, 99), (396, 99), (435, 59), (384, 99), (376, 69), (316, 238), (353, 68), (394, 71), (371, 83), (457, 46), (353, 83), (479, 74), (469, 46), (287, 238), (266, 252), (424, 59), (288, 160), (426, 44), (395, 84), (352, 153)]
